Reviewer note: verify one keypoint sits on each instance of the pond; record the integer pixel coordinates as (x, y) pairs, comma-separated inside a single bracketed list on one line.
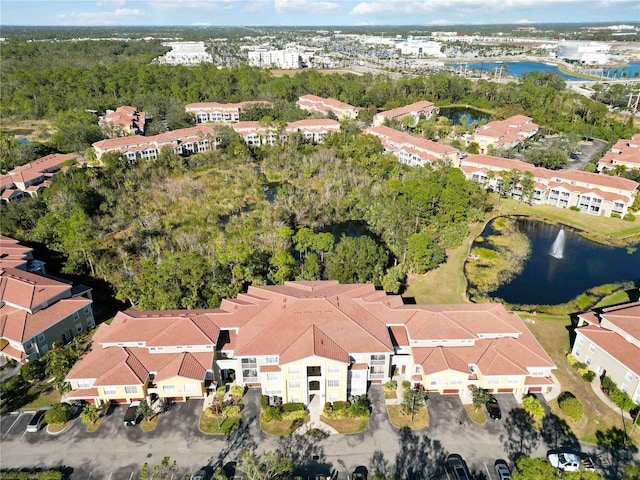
[(463, 116), (518, 68), (577, 264)]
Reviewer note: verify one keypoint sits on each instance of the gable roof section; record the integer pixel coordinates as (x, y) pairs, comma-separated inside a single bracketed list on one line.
[(27, 290), (617, 347), (625, 317), (313, 342)]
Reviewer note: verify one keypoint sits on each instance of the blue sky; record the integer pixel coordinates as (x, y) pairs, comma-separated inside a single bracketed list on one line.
[(313, 12)]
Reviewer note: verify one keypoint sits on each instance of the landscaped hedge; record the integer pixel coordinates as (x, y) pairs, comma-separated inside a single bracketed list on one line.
[(571, 406), (617, 396), (43, 475), (358, 409), (292, 407), (286, 411)]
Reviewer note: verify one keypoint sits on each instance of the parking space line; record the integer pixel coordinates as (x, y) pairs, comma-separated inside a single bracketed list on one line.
[(111, 473), (488, 472), (131, 476), (14, 422), (90, 473)]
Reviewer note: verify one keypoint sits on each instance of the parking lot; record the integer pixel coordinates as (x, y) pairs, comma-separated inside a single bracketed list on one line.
[(116, 451)]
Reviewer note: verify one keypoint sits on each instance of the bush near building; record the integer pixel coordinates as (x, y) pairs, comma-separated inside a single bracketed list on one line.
[(617, 396), (357, 409), (58, 414), (571, 406), (582, 368)]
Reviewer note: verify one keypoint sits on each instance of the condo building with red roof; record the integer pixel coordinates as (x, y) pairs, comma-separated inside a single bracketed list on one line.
[(592, 193), (32, 178), (419, 110), (504, 133), (341, 110), (123, 121), (302, 339), (608, 342), (625, 153), (220, 112)]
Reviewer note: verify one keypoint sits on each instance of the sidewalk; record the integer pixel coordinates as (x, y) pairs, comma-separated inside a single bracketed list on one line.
[(556, 389), (595, 386), (315, 410)]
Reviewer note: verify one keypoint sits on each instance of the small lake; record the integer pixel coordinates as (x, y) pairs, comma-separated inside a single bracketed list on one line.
[(631, 70), (546, 280), (463, 116), (516, 69)]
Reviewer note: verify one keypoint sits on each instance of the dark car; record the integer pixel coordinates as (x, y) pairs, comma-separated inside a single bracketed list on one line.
[(37, 420), (131, 415), (493, 408), (502, 470), (457, 467)]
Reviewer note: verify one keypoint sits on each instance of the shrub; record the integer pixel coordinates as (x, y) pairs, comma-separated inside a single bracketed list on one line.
[(272, 414), (589, 376), (616, 215), (607, 383), (359, 409), (264, 401), (33, 370), (237, 391), (232, 411), (629, 217), (621, 399), (328, 410), (292, 407), (341, 405), (406, 385), (571, 360), (571, 406), (295, 415), (390, 386), (574, 208), (221, 390), (532, 406), (58, 414)]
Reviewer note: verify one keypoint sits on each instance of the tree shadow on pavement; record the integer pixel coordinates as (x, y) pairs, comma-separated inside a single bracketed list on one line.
[(419, 457), (615, 450), (556, 433), (521, 438), (308, 456), (236, 440)]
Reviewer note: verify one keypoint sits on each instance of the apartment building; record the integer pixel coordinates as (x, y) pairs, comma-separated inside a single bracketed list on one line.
[(609, 343), (413, 151), (32, 178), (286, 59), (301, 339), (419, 110), (220, 112), (188, 141), (14, 255), (505, 133), (123, 121), (625, 153), (591, 193), (37, 311), (341, 110)]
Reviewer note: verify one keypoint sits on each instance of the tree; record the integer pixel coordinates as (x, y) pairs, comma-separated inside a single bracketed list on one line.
[(90, 414), (33, 370), (394, 280), (165, 470), (58, 414), (269, 466), (533, 406), (528, 468), (357, 260), (473, 148), (480, 397), (145, 411), (413, 400), (423, 253)]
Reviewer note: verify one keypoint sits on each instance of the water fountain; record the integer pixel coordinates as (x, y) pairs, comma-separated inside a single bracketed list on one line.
[(557, 249)]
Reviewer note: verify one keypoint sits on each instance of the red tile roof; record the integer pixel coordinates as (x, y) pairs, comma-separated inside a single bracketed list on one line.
[(414, 108), (27, 290), (625, 352)]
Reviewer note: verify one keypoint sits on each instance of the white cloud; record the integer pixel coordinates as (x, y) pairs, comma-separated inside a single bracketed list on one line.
[(305, 6), (523, 21), (112, 17), (439, 21), (417, 7), (254, 5), (191, 4), (110, 3)]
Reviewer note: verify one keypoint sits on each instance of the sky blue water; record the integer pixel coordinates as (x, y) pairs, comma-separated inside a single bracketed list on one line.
[(518, 68)]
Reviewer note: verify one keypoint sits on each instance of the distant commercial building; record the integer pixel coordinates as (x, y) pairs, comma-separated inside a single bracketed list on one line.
[(185, 53), (418, 47), (587, 53), (313, 103), (123, 121), (284, 59), (220, 112)]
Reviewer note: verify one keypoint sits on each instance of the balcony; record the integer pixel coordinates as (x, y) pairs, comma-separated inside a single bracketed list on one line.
[(314, 371)]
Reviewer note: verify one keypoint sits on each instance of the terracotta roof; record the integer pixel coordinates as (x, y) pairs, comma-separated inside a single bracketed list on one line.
[(359, 366), (14, 353), (408, 109), (328, 103), (84, 393), (269, 368), (616, 346), (399, 335), (439, 359), (626, 317), (400, 139), (313, 343), (538, 381), (184, 365), (27, 290)]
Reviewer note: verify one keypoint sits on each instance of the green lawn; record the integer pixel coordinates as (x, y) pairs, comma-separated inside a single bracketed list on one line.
[(346, 425), (209, 424), (400, 420), (477, 416)]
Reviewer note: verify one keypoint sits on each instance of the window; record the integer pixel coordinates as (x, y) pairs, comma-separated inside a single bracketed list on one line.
[(628, 376), (249, 370), (294, 383), (78, 327), (333, 369), (41, 337), (456, 381), (272, 392), (190, 388), (592, 348), (109, 390), (76, 316), (587, 360), (84, 384), (295, 398), (293, 370), (333, 397), (418, 369), (272, 360), (513, 379), (581, 340), (87, 310), (624, 388), (27, 344), (377, 360), (130, 389), (168, 389), (333, 383), (577, 352), (435, 381), (249, 363), (493, 380), (90, 322), (273, 377)]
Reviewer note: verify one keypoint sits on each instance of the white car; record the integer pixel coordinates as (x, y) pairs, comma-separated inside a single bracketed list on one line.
[(568, 462)]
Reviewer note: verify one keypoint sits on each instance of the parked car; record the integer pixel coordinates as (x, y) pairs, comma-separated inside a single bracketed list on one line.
[(566, 461), (37, 420), (457, 467), (131, 415), (493, 408), (199, 475), (502, 470)]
